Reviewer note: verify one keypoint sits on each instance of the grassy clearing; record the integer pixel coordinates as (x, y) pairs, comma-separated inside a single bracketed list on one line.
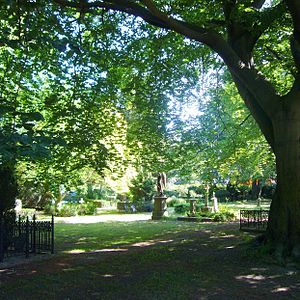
[(92, 237), (149, 260), (237, 205)]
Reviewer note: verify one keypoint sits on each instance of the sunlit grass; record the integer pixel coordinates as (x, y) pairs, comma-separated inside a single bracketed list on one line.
[(238, 205), (148, 260), (92, 237)]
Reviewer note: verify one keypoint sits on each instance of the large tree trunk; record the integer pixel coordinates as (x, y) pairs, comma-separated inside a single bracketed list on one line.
[(284, 222)]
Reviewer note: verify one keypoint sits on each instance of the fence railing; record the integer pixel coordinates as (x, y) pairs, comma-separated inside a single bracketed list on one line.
[(254, 220), (26, 236)]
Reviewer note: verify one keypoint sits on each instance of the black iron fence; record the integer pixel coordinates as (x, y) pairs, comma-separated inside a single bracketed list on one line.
[(254, 220), (26, 236)]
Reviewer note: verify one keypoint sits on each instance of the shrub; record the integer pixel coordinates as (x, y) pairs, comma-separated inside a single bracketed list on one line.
[(74, 209), (49, 209), (223, 216), (101, 203), (27, 212), (171, 193), (175, 201), (205, 214), (181, 208), (220, 216), (222, 195), (9, 219), (141, 192), (103, 192), (67, 210), (143, 206), (88, 208), (199, 190)]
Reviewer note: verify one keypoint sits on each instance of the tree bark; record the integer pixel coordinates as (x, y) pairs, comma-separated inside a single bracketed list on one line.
[(283, 231)]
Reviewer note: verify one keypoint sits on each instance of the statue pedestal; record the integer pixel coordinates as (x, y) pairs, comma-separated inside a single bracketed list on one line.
[(192, 207), (160, 207)]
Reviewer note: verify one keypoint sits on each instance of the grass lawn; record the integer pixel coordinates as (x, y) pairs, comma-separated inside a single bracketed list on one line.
[(151, 260)]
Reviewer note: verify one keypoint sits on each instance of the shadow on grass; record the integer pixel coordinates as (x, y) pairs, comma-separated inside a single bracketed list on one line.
[(153, 260)]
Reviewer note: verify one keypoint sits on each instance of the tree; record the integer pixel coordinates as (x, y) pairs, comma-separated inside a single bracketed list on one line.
[(239, 31), (8, 188), (222, 142), (55, 103)]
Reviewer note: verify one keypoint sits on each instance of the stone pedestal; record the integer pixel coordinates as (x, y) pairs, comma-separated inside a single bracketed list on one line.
[(160, 207), (192, 208)]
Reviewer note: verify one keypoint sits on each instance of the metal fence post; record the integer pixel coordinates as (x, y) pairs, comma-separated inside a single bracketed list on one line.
[(33, 235), (52, 234), (27, 239), (19, 225)]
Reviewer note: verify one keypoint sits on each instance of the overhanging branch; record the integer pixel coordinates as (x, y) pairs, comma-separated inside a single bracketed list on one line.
[(266, 18), (261, 92)]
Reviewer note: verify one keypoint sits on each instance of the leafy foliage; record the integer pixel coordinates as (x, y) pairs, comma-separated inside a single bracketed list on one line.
[(223, 142), (8, 188), (141, 191)]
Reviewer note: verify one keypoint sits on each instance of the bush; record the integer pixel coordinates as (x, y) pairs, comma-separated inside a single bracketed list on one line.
[(72, 209), (88, 208), (145, 206), (220, 216), (175, 201), (141, 192), (27, 212), (103, 192), (199, 190), (181, 208), (171, 193), (223, 216), (49, 209), (222, 195), (67, 210)]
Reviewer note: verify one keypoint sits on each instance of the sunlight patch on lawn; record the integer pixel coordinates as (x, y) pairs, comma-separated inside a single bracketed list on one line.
[(3, 270), (280, 289), (75, 251), (222, 236), (79, 251), (251, 278), (111, 250), (107, 275), (151, 243)]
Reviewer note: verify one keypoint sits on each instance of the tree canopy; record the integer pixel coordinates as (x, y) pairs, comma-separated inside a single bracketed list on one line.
[(73, 66)]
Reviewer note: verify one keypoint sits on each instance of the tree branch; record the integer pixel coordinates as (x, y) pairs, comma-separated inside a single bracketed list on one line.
[(255, 88), (266, 18), (262, 119), (228, 6), (294, 8), (258, 3), (125, 6)]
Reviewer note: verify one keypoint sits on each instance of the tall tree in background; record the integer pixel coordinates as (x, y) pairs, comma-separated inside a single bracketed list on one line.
[(222, 141), (244, 33)]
